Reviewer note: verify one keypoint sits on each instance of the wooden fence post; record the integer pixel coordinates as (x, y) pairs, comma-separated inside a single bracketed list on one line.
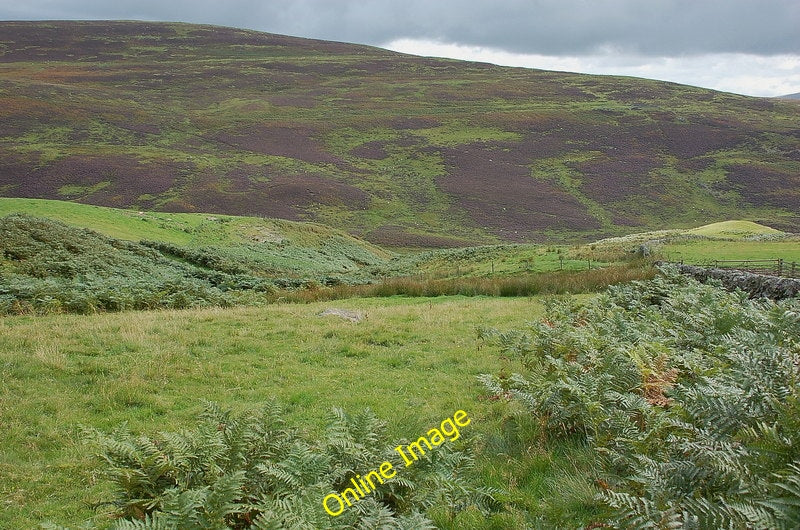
[(780, 267)]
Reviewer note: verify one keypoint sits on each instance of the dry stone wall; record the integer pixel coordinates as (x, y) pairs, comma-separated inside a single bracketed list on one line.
[(758, 285)]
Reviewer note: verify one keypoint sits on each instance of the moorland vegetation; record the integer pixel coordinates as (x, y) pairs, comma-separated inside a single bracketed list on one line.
[(404, 151)]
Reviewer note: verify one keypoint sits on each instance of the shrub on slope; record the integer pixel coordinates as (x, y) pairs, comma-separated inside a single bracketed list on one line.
[(47, 266), (254, 470), (690, 395)]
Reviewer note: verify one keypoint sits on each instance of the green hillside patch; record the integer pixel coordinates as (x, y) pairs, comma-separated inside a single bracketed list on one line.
[(268, 248), (50, 267), (122, 224), (73, 191), (733, 229), (190, 229)]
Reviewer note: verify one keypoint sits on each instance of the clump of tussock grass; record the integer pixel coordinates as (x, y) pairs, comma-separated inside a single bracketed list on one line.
[(572, 282)]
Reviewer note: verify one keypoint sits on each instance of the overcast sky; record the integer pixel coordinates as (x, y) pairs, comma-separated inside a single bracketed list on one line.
[(744, 46)]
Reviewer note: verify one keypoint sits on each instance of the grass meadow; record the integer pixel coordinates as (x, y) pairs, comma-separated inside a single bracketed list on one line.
[(413, 361), (702, 252)]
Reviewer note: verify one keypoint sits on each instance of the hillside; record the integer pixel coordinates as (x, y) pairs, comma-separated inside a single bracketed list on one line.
[(59, 256), (248, 253), (403, 151), (65, 263), (286, 247), (47, 266)]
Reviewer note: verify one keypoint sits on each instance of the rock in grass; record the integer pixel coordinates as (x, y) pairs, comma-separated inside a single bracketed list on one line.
[(352, 316)]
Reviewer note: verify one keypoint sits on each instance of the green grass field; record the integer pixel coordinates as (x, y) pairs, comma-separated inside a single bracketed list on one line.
[(704, 252), (412, 361), (729, 240)]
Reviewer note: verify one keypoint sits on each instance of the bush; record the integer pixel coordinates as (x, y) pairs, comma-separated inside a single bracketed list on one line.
[(689, 394), (50, 267), (254, 470)]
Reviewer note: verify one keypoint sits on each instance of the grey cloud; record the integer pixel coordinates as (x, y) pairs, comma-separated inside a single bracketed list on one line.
[(552, 27)]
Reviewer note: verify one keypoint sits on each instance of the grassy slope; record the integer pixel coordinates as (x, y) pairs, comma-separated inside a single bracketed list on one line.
[(266, 246), (728, 240), (201, 230), (62, 372), (733, 229), (312, 249), (188, 229), (406, 151)]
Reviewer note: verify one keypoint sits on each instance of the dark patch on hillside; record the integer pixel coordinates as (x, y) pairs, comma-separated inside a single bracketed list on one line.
[(375, 150), (765, 186), (611, 179), (414, 123), (398, 237), (118, 180), (282, 196), (691, 140), (477, 172), (289, 142)]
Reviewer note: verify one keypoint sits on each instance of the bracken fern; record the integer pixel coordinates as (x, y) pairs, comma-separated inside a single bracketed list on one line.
[(253, 470), (689, 394)]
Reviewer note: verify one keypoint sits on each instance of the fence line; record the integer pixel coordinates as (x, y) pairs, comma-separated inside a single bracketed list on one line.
[(774, 267)]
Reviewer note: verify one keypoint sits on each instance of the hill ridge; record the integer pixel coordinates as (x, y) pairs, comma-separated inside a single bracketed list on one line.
[(404, 151)]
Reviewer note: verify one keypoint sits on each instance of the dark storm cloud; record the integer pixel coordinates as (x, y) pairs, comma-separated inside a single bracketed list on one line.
[(553, 27)]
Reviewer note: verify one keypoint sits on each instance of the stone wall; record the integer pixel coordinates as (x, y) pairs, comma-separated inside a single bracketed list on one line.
[(758, 285)]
